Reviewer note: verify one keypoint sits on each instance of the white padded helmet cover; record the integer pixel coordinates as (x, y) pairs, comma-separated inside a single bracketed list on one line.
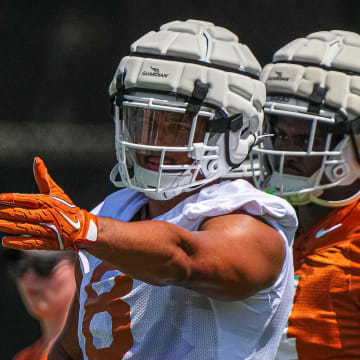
[(172, 59), (204, 43), (335, 49), (335, 55)]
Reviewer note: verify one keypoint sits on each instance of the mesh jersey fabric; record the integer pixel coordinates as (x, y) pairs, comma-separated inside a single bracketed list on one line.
[(324, 321), (122, 318)]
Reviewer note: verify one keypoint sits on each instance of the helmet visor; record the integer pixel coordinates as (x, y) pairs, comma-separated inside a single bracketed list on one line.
[(147, 126), (171, 130), (296, 134), (299, 145)]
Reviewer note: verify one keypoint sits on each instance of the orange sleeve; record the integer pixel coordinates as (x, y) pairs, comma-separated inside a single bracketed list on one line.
[(324, 319), (355, 268)]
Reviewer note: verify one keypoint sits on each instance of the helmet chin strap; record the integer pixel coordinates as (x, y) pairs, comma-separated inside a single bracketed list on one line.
[(148, 180), (311, 196), (315, 198), (150, 176), (298, 199), (333, 203), (114, 174), (285, 183), (293, 183)]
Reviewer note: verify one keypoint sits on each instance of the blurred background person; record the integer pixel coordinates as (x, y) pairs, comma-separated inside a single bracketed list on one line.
[(313, 160), (46, 283)]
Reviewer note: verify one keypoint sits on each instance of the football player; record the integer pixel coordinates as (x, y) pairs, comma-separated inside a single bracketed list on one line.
[(179, 264), (312, 159)]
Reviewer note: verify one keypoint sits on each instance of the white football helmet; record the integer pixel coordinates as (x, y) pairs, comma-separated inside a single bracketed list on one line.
[(187, 104), (313, 88)]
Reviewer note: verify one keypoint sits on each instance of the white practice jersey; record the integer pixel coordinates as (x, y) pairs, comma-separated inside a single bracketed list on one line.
[(123, 318)]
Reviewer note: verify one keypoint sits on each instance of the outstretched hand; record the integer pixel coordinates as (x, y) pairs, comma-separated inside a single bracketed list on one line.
[(45, 221)]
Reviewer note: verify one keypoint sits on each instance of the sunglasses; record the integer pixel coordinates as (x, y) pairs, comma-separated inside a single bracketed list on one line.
[(42, 266)]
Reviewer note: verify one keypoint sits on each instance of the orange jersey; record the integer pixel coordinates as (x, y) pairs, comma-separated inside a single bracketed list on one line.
[(325, 318), (33, 352)]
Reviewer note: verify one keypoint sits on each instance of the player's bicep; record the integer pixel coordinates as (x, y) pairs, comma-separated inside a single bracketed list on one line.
[(236, 256), (250, 245)]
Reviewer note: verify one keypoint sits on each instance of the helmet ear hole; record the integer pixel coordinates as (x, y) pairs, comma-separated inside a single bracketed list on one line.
[(337, 172), (213, 166)]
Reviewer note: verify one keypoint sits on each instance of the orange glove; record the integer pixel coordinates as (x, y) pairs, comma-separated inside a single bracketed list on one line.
[(46, 221)]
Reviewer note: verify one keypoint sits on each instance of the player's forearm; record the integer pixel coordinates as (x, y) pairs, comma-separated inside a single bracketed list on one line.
[(152, 251)]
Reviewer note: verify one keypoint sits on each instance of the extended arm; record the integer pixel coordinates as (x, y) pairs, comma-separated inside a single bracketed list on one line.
[(231, 257)]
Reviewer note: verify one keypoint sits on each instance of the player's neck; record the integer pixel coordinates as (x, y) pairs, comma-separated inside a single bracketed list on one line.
[(310, 214), (51, 328), (158, 207)]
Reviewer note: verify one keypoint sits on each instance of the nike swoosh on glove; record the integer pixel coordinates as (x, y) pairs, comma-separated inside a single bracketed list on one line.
[(45, 221)]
